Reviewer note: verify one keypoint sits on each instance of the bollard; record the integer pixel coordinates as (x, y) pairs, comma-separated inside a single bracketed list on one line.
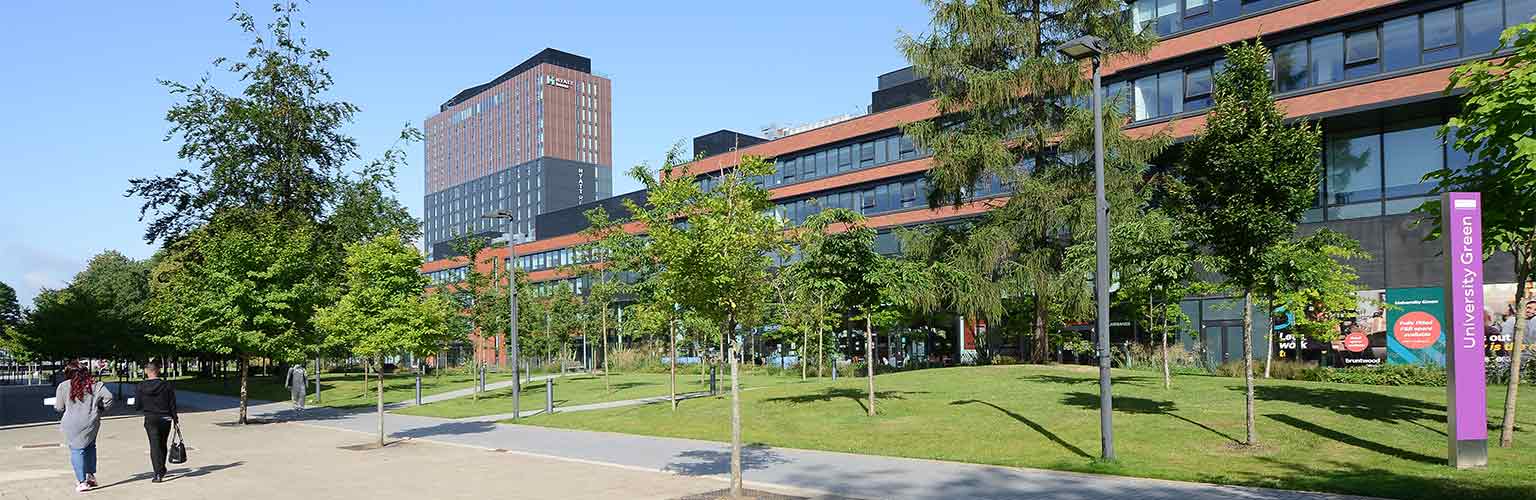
[(549, 396), (418, 386), (834, 371), (713, 390)]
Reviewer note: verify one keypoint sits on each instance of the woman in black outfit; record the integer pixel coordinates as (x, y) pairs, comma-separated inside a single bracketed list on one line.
[(157, 400)]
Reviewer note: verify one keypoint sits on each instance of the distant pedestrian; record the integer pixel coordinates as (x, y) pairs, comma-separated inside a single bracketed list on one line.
[(82, 399), (157, 400), (296, 382)]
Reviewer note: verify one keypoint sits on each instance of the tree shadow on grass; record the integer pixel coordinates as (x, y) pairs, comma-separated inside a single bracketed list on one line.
[(1058, 379), (1376, 482), (1032, 425), (831, 393), (714, 461), (1357, 404), (1349, 439), (621, 386), (1126, 404)]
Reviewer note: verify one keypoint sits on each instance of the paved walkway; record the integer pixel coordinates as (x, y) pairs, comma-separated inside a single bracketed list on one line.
[(840, 474), (586, 407), (303, 461)]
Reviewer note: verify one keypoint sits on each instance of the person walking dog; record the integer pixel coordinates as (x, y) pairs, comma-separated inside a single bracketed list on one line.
[(82, 399), (157, 401), (296, 382)]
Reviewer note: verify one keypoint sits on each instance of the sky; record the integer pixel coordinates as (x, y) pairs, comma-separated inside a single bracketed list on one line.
[(84, 110)]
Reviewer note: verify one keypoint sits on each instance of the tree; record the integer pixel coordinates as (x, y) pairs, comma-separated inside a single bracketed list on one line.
[(245, 285), (276, 144), (606, 238), (383, 310), (1244, 183), (669, 197), (717, 262), (1160, 266), (839, 255), (10, 311), (1496, 128), (1306, 274), (366, 207), (994, 68)]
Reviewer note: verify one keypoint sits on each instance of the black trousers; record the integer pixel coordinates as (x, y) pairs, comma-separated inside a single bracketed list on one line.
[(158, 428)]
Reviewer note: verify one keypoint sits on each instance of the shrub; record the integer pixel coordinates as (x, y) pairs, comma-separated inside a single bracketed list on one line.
[(1150, 357), (1378, 375), (1283, 370)]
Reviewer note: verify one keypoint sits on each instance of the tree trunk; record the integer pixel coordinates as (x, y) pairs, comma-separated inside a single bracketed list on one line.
[(1511, 393), (1269, 339), (735, 412), (607, 385), (1167, 377), (1253, 437), (244, 389), (821, 355), (381, 402), (1042, 338), (869, 361), (672, 341)]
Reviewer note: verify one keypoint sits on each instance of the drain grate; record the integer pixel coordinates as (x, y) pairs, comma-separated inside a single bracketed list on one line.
[(39, 446)]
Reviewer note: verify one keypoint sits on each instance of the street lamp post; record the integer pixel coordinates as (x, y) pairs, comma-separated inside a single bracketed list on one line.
[(1093, 48), (517, 389)]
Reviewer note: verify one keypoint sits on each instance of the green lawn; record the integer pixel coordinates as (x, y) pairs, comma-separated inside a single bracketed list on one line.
[(1367, 440), (339, 390), (581, 389)]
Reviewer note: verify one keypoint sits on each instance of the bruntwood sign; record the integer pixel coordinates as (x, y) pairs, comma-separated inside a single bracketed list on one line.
[(1466, 392)]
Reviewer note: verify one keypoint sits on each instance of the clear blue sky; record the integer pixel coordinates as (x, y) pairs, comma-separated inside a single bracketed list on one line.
[(83, 112)]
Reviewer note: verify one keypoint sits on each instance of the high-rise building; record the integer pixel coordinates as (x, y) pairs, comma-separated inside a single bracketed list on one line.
[(535, 139)]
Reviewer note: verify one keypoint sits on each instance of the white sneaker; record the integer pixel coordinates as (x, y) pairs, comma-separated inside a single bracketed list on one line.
[(82, 487)]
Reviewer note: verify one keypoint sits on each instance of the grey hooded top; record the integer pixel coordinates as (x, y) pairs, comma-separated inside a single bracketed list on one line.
[(81, 418)]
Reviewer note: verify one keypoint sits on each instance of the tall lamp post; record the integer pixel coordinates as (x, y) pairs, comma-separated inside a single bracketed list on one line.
[(1093, 48), (517, 389)]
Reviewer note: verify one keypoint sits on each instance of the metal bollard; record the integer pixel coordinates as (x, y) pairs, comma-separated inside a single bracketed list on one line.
[(834, 371), (549, 396), (713, 388), (418, 386)]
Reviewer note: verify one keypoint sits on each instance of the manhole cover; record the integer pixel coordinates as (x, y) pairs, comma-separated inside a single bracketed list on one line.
[(39, 446)]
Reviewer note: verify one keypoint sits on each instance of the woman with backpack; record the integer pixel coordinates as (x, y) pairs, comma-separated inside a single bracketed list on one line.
[(83, 399)]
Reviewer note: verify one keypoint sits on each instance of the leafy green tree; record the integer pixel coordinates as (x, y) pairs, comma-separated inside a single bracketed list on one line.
[(1244, 184), (606, 238), (717, 263), (1495, 127), (10, 310), (839, 254), (277, 143), (119, 287), (668, 199), (1159, 269), (1310, 273), (383, 311), (995, 68), (245, 285), (366, 207)]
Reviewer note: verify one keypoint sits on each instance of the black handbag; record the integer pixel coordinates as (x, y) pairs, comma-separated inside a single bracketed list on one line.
[(178, 454)]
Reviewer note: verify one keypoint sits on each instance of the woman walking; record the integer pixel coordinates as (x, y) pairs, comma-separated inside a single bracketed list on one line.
[(82, 399), (157, 400)]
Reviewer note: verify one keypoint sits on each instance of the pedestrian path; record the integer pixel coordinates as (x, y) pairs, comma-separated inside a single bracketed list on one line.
[(586, 407), (840, 474)]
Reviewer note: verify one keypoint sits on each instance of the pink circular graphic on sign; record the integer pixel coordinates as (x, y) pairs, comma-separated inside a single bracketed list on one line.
[(1356, 342), (1416, 330)]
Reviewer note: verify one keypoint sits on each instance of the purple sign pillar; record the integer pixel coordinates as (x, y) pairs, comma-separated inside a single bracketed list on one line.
[(1466, 390)]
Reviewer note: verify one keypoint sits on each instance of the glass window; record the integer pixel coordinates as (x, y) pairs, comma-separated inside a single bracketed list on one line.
[(844, 157), (908, 149), (1291, 66), (1354, 168), (1196, 7), (1328, 58), (1197, 88), (1142, 14), (1408, 155), (866, 154), (1440, 35), (1167, 16), (1170, 87), (880, 152), (1518, 11), (1481, 21), (1146, 97), (1118, 94), (882, 198), (1455, 158), (1361, 46)]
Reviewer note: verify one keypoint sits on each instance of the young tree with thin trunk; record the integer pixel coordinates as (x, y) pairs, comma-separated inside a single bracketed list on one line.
[(715, 264), (839, 256), (384, 310), (1496, 128), (1310, 273), (1244, 183)]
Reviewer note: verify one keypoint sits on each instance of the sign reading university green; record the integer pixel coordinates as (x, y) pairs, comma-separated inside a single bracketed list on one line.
[(1415, 326)]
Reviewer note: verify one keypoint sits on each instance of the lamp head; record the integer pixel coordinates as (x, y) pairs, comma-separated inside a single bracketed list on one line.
[(1083, 47)]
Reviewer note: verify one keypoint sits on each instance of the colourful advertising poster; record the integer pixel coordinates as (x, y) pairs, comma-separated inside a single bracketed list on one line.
[(1499, 310), (1416, 326)]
